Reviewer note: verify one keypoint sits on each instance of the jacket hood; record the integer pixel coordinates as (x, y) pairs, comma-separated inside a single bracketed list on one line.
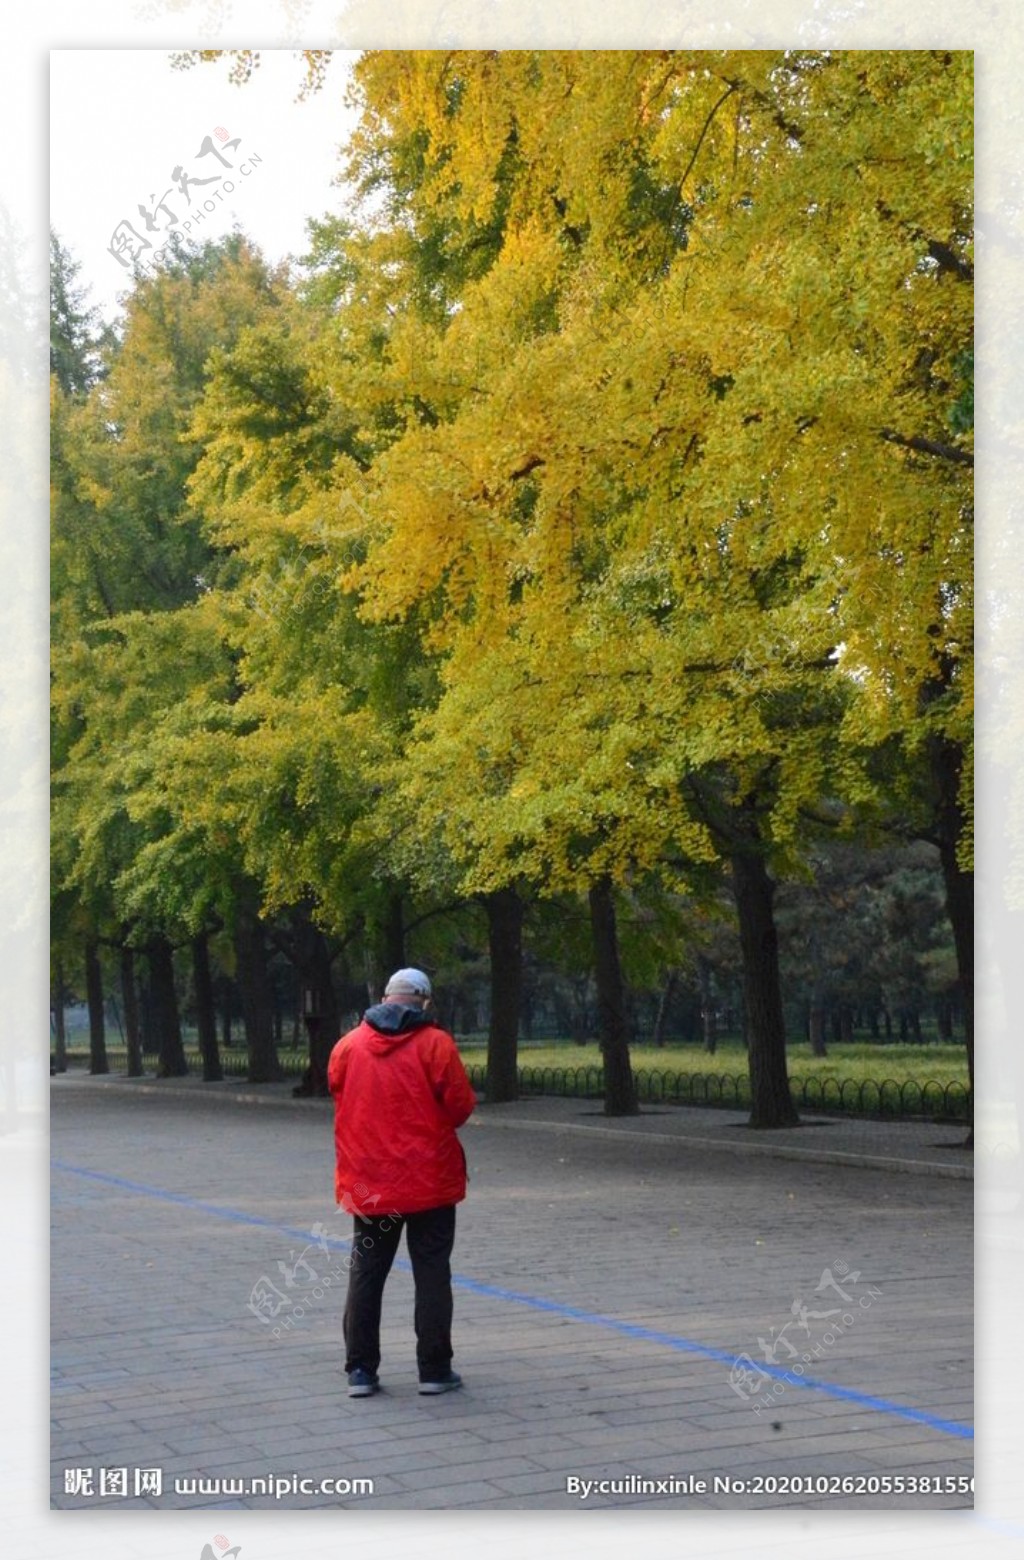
[(394, 1022)]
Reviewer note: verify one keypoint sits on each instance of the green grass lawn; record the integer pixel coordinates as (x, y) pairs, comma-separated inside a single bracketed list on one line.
[(858, 1062), (861, 1079)]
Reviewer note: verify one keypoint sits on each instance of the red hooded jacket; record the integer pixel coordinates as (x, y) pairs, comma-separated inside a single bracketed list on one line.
[(400, 1090)]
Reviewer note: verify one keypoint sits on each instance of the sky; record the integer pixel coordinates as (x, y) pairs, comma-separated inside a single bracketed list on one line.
[(122, 121)]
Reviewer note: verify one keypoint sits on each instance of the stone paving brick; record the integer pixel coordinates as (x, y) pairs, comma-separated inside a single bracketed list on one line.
[(538, 1501), (551, 1482), (80, 1422), (452, 1476), (470, 1497), (100, 1443), (534, 1444), (156, 1351)]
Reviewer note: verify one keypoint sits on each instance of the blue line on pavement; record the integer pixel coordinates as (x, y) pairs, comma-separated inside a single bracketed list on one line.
[(188, 1202), (688, 1346), (554, 1307)]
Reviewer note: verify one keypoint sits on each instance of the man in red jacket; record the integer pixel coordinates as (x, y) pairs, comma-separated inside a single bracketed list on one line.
[(400, 1090)]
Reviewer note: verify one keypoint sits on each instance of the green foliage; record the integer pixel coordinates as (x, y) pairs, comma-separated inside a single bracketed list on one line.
[(77, 337), (597, 497), (732, 562)]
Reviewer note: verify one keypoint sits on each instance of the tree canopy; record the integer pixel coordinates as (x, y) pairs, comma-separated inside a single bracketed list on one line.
[(590, 513)]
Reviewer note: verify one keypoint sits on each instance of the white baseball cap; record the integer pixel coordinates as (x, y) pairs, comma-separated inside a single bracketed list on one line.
[(408, 983)]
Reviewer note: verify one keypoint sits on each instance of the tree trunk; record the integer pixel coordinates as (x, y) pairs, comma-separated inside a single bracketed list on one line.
[(257, 999), (945, 762), (226, 1006), (505, 912), (578, 1012), (744, 1018), (394, 936), (816, 1024), (449, 1013), (668, 991), (206, 1011), (526, 1008), (708, 1008), (321, 1014), (944, 1020), (754, 890), (845, 1024), (60, 1039), (171, 1062), (130, 998), (619, 1087), (94, 997), (960, 907), (147, 1014)]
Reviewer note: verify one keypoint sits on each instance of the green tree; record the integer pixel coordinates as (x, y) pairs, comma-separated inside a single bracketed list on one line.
[(601, 504), (78, 338), (138, 650), (637, 510)]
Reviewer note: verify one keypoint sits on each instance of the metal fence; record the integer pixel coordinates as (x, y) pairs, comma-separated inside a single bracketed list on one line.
[(888, 1097)]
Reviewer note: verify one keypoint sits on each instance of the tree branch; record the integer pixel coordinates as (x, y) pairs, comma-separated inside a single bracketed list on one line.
[(429, 915), (707, 126), (928, 447)]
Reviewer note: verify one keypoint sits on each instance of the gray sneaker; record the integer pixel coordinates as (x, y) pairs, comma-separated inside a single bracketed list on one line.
[(447, 1383)]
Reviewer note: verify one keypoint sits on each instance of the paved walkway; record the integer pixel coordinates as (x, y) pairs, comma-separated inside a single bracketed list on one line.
[(659, 1309), (911, 1146)]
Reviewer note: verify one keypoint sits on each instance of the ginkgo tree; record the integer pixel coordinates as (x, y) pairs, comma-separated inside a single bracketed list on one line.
[(597, 511), (699, 503), (133, 645)]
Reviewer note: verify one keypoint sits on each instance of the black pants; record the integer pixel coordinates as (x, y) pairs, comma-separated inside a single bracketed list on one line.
[(430, 1236)]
